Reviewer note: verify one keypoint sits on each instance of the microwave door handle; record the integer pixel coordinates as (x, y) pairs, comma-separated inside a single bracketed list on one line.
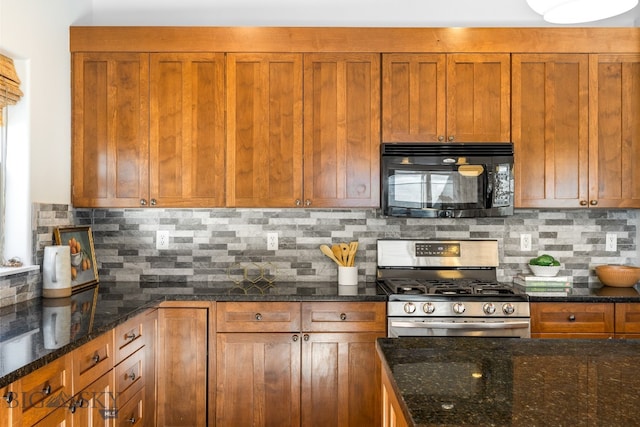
[(461, 325)]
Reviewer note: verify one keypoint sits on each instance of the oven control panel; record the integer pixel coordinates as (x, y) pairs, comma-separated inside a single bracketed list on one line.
[(440, 249)]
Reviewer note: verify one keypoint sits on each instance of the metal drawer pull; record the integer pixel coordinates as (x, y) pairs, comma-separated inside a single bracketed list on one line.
[(132, 420), (258, 316), (9, 397), (294, 338), (131, 376), (305, 337), (131, 336), (343, 316), (96, 358), (47, 390), (572, 318)]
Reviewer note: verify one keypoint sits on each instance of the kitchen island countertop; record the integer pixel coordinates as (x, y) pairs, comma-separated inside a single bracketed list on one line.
[(514, 382)]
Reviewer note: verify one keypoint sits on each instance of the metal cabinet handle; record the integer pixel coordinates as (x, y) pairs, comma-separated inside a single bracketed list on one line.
[(143, 202), (131, 336), (294, 338), (72, 407), (440, 137), (132, 420), (47, 390), (451, 137), (572, 318), (343, 316), (131, 376), (96, 358), (307, 202), (305, 337), (153, 202), (593, 202), (258, 316), (9, 397), (298, 202), (583, 203)]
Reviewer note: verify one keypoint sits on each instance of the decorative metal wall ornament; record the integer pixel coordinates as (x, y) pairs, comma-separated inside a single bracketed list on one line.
[(248, 277)]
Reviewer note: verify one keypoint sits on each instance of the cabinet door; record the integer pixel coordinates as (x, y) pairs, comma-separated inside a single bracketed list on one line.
[(182, 367), (550, 130), (47, 388), (10, 402), (413, 97), (186, 147), (627, 320), (110, 146), (340, 380), (264, 130), (341, 130), (479, 97), (258, 379), (392, 415), (614, 138)]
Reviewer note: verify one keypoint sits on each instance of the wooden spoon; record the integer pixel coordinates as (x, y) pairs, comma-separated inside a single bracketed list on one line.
[(353, 247), (337, 251), (327, 251), (345, 253)]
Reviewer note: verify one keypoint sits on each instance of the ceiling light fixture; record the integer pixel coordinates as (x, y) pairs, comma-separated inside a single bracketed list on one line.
[(578, 11)]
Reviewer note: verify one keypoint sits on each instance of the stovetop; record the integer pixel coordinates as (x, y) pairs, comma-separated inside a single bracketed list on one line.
[(446, 287)]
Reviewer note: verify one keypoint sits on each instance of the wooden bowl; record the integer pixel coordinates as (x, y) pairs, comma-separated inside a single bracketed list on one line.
[(618, 276)]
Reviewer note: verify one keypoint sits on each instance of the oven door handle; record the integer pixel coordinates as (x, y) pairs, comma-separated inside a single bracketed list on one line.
[(462, 325)]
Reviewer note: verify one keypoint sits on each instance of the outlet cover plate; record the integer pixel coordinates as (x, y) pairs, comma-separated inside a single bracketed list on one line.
[(162, 239)]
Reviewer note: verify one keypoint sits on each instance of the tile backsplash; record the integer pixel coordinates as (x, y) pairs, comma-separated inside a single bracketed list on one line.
[(217, 244)]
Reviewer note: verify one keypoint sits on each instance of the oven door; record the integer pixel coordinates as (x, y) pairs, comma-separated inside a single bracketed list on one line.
[(458, 327)]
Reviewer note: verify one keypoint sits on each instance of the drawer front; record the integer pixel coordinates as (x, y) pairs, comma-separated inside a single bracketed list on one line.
[(45, 390), (628, 318), (130, 376), (92, 360), (129, 337), (258, 316), (344, 316), (572, 317), (130, 413)]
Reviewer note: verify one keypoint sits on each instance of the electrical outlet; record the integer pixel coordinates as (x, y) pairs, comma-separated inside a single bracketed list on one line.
[(525, 242), (272, 241), (162, 239), (611, 243)]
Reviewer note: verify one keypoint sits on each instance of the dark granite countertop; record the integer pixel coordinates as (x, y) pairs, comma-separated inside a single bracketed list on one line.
[(601, 294), (28, 339), (514, 382)]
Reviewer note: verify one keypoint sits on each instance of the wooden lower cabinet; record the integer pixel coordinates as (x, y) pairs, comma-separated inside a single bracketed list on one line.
[(572, 320), (392, 415), (258, 379), (182, 358), (585, 320), (340, 379), (293, 377), (96, 405)]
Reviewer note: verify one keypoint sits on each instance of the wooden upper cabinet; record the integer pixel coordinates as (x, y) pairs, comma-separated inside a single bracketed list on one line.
[(186, 144), (413, 97), (110, 129), (341, 130), (440, 97), (550, 129), (479, 97), (264, 130), (614, 135)]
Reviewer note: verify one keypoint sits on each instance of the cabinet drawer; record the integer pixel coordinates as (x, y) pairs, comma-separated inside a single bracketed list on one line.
[(92, 360), (129, 337), (45, 390), (627, 318), (572, 317), (129, 376), (130, 413), (344, 316), (258, 316)]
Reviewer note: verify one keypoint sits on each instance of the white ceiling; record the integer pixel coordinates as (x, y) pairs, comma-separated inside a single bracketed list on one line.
[(366, 13)]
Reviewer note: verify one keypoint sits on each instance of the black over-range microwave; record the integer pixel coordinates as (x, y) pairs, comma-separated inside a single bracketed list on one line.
[(447, 180)]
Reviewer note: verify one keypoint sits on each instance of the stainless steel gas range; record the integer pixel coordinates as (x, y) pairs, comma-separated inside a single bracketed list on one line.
[(448, 288)]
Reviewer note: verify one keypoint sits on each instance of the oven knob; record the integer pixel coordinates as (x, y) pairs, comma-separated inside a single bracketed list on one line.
[(458, 308), (428, 308), (508, 308), (489, 308), (409, 308)]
